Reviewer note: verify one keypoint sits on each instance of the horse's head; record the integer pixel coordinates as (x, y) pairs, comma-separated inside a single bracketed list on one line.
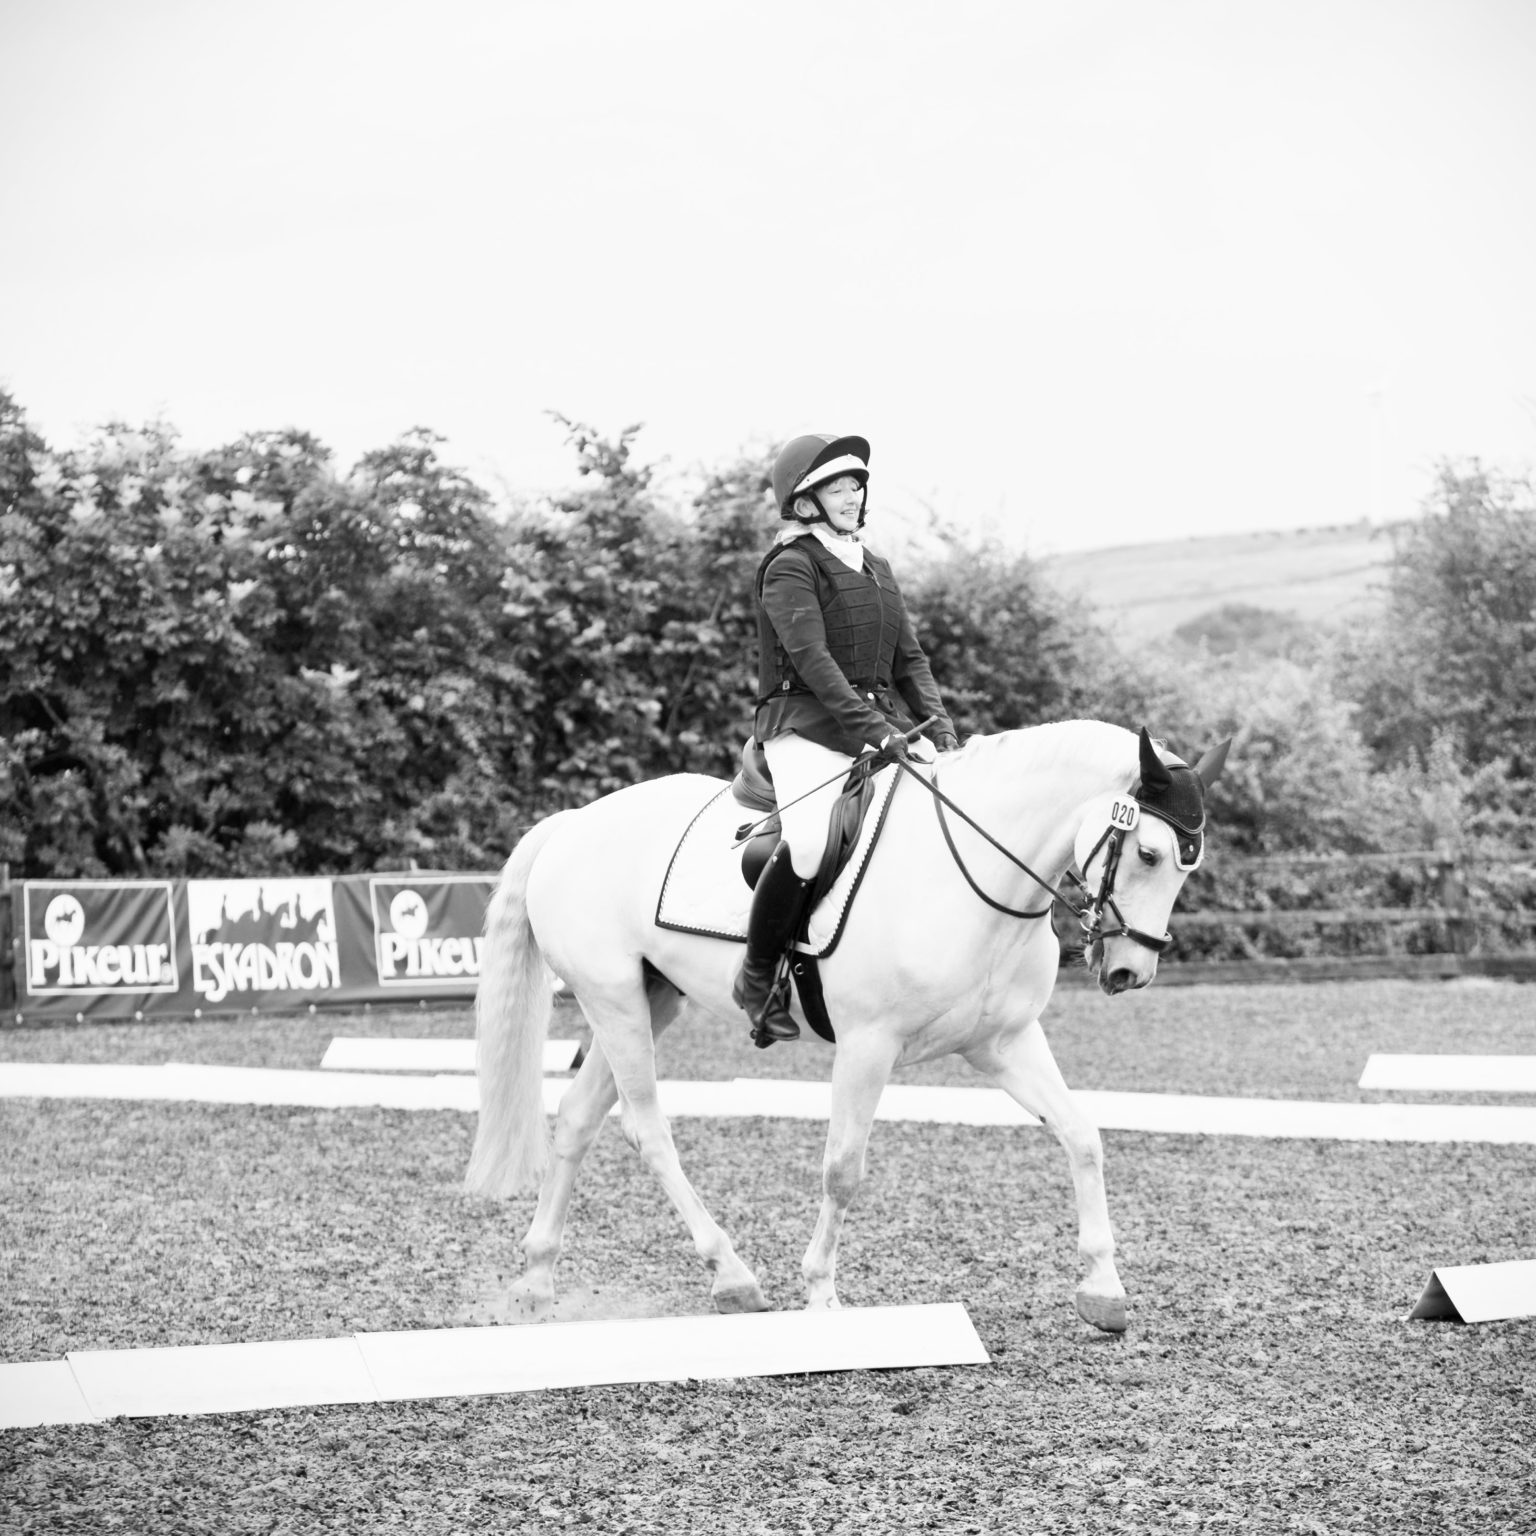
[(1135, 851)]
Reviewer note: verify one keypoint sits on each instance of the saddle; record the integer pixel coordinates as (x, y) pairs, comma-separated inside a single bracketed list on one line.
[(752, 788)]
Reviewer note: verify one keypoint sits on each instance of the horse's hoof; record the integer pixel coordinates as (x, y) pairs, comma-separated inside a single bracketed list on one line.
[(529, 1304), (740, 1298), (1104, 1312)]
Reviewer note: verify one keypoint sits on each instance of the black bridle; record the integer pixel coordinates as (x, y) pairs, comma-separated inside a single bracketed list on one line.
[(1090, 915)]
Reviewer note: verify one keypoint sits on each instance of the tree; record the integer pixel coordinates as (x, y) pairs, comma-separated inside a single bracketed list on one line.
[(1247, 632), (636, 621), (1456, 648), (1007, 649), (238, 661)]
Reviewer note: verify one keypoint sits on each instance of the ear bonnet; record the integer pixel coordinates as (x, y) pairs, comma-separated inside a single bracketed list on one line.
[(1173, 792)]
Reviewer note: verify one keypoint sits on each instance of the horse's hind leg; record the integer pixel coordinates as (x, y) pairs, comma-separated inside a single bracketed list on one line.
[(582, 1113), (1029, 1074), (583, 1110), (617, 1022)]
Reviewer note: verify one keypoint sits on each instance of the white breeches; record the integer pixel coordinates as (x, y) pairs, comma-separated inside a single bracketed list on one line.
[(798, 765)]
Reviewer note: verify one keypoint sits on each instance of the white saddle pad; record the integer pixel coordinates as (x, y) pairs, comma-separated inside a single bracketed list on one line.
[(704, 893)]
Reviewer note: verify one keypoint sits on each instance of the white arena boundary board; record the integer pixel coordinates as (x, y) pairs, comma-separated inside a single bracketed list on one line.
[(470, 1362), (1479, 1293), (1169, 1114), (1202, 1115), (382, 1053), (189, 1083), (1450, 1074), (1178, 1114), (41, 1392)]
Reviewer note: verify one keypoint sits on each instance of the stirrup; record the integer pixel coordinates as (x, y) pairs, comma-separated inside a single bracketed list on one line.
[(772, 1020), (775, 1023)]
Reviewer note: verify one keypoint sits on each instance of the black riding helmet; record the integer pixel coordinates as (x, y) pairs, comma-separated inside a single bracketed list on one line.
[(809, 461)]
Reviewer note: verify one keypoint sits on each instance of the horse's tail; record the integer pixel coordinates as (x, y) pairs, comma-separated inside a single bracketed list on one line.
[(512, 1008)]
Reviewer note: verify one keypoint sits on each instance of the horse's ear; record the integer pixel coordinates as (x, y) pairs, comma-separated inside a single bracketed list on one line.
[(1154, 775), (1209, 767)]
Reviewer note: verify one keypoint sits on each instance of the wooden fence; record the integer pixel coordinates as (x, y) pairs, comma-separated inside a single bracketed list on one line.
[(1456, 910), (7, 947)]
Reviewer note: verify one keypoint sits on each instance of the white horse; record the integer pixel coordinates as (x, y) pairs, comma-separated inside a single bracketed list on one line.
[(924, 968)]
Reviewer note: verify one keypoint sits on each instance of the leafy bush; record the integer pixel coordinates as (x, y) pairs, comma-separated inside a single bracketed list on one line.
[(244, 661), (238, 660)]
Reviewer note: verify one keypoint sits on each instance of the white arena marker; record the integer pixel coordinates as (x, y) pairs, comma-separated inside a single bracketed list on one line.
[(317, 1090), (1203, 1115), (680, 1098), (787, 1099), (355, 1053), (222, 1378), (191, 1083), (41, 1392), (77, 1080), (1450, 1074), (466, 1362), (1479, 1293), (1170, 1114), (463, 1362)]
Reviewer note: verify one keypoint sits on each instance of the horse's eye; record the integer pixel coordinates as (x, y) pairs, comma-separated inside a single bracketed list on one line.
[(1147, 855)]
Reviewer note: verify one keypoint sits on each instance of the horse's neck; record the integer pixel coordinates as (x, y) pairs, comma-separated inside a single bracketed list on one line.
[(1031, 784)]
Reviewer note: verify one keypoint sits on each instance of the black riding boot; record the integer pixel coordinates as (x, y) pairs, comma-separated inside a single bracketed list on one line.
[(777, 903)]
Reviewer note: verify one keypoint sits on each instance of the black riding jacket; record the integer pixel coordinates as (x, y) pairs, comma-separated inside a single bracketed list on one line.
[(833, 644)]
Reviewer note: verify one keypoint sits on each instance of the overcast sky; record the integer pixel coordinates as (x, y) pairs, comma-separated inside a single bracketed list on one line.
[(1085, 273)]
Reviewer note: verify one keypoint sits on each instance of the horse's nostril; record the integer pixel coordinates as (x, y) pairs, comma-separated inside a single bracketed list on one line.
[(1119, 980)]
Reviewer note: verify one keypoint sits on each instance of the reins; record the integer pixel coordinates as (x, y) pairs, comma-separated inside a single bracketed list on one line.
[(940, 800), (1090, 915)]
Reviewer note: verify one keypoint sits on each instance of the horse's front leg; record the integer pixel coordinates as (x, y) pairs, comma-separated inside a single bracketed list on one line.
[(1028, 1072), (859, 1075)]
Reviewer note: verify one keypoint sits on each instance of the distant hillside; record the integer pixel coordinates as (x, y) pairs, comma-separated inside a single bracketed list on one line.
[(1147, 590)]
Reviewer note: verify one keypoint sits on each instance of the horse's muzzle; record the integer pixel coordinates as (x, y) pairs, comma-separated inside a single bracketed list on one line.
[(1121, 979)]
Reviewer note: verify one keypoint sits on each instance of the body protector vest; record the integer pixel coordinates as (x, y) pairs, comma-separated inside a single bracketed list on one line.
[(860, 612)]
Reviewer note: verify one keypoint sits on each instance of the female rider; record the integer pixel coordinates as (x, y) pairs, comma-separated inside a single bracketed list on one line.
[(834, 641)]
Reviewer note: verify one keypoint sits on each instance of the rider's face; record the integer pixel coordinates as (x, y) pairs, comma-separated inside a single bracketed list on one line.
[(842, 498)]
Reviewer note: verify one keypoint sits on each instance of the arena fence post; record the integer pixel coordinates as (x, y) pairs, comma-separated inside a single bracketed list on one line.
[(1452, 894), (7, 947)]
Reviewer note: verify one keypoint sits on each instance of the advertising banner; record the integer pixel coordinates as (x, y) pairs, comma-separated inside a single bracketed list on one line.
[(427, 928), (91, 944), (173, 948)]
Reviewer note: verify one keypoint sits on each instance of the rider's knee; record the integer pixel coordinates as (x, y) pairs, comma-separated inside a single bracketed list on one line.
[(806, 856)]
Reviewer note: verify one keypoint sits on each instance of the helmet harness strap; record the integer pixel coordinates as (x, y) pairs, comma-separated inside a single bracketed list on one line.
[(821, 511)]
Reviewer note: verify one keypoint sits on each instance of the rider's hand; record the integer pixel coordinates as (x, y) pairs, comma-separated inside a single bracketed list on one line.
[(895, 748), (946, 741)]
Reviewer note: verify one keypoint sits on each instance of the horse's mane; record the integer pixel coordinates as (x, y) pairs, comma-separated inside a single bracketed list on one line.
[(1037, 747)]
